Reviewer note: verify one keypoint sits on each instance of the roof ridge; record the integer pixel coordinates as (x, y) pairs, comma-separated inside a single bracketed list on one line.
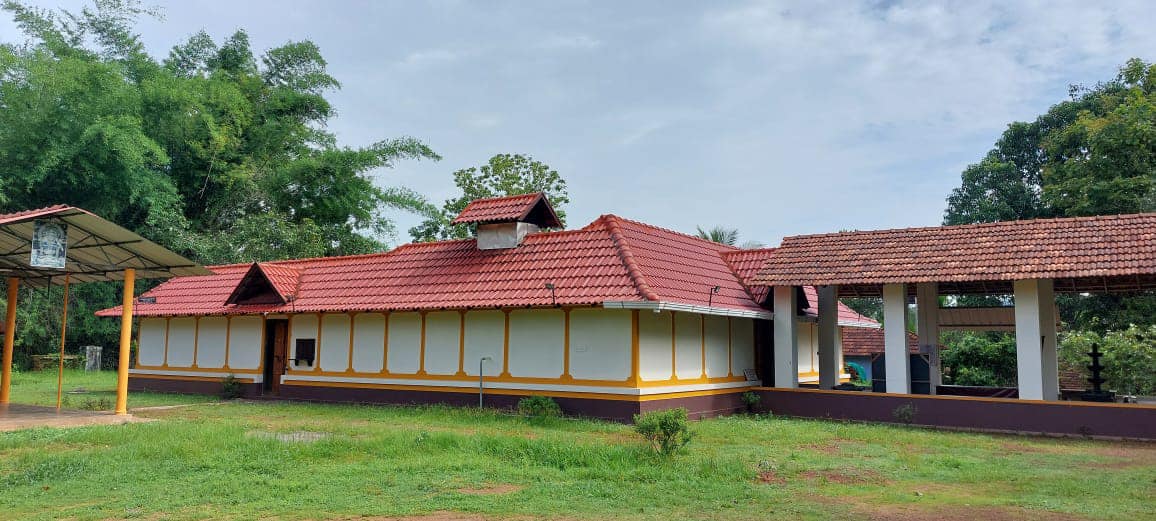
[(627, 257), (726, 255), (726, 247), (991, 224)]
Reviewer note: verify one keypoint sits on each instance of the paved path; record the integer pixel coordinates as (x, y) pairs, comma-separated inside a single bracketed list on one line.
[(16, 416)]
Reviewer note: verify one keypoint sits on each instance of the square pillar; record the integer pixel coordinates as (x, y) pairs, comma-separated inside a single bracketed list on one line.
[(9, 340), (786, 351), (1037, 371), (829, 369), (927, 327), (898, 365)]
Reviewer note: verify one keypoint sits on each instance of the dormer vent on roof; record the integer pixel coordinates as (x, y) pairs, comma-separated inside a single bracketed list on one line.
[(503, 222)]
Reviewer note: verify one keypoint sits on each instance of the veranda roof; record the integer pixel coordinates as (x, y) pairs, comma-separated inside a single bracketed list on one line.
[(1101, 253), (97, 249)]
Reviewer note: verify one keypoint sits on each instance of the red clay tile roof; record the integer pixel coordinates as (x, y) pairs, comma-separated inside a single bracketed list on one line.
[(509, 208), (285, 279), (746, 264), (610, 260), (1069, 248), (862, 341)]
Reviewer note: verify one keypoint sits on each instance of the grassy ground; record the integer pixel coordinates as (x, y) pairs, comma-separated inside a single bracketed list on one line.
[(95, 390), (301, 461)]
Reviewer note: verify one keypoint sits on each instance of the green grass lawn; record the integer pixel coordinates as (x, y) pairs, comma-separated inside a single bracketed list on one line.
[(267, 460), (95, 390)]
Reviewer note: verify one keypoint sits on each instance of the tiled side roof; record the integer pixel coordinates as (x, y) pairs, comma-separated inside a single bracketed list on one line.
[(509, 208), (747, 263), (681, 268), (863, 341), (610, 260), (1101, 246)]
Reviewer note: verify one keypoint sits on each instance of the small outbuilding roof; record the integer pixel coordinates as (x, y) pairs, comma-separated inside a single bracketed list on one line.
[(96, 249), (1111, 252), (861, 341), (532, 208)]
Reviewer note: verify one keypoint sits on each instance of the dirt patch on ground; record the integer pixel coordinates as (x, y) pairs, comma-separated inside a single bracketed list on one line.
[(436, 516), (845, 477), (957, 513), (769, 477), (491, 490)]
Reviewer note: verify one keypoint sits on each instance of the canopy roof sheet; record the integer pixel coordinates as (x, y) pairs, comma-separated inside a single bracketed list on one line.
[(1101, 253), (98, 250)]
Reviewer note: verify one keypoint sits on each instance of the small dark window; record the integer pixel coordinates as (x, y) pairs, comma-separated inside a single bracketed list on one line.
[(304, 351)]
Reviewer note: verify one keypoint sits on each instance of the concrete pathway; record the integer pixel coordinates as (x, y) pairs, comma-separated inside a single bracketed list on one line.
[(16, 417)]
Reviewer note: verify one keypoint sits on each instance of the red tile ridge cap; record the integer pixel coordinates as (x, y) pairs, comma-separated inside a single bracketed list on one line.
[(991, 224), (627, 257), (724, 248)]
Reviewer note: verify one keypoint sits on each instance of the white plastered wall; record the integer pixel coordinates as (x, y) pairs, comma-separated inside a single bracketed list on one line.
[(808, 348), (537, 340), (151, 342), (182, 344), (404, 343), (211, 334), (600, 344), (716, 338), (688, 345), (334, 350), (368, 342), (302, 326), (485, 336), (742, 345), (654, 345), (442, 342), (245, 347)]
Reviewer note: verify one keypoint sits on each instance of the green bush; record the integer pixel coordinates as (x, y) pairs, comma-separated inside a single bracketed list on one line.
[(539, 407), (751, 399), (666, 431), (1129, 357), (231, 388)]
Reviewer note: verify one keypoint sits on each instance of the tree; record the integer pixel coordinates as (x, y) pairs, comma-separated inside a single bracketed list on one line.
[(502, 175), (719, 234), (215, 152), (200, 150)]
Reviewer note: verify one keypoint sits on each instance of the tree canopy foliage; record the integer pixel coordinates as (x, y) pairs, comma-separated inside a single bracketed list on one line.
[(502, 175), (215, 151), (1092, 154)]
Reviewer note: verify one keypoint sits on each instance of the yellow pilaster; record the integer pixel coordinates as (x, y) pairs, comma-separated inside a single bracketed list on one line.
[(125, 342), (9, 339)]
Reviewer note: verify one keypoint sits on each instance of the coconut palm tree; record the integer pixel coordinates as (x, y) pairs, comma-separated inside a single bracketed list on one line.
[(719, 234)]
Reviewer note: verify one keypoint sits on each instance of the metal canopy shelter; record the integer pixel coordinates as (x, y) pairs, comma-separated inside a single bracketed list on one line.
[(95, 250)]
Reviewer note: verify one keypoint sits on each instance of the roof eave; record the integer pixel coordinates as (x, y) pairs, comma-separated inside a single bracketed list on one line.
[(657, 306)]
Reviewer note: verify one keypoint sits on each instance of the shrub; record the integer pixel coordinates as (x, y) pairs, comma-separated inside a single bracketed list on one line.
[(231, 388), (1129, 358), (539, 407), (751, 399), (102, 404), (666, 431)]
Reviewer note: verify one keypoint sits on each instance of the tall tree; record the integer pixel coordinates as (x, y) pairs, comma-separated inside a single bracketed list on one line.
[(215, 151), (502, 175)]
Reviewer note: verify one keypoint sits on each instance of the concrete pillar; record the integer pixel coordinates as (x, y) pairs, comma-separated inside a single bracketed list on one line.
[(829, 369), (1036, 363), (898, 365), (786, 337), (927, 327)]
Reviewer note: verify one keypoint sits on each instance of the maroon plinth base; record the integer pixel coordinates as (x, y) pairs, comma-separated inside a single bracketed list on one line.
[(698, 407), (983, 414), (166, 385)]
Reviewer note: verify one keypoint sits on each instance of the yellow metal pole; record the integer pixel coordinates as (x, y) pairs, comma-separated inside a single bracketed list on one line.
[(125, 337), (63, 330), (9, 339)]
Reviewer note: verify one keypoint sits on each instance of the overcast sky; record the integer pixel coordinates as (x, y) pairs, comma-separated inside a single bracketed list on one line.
[(776, 118)]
